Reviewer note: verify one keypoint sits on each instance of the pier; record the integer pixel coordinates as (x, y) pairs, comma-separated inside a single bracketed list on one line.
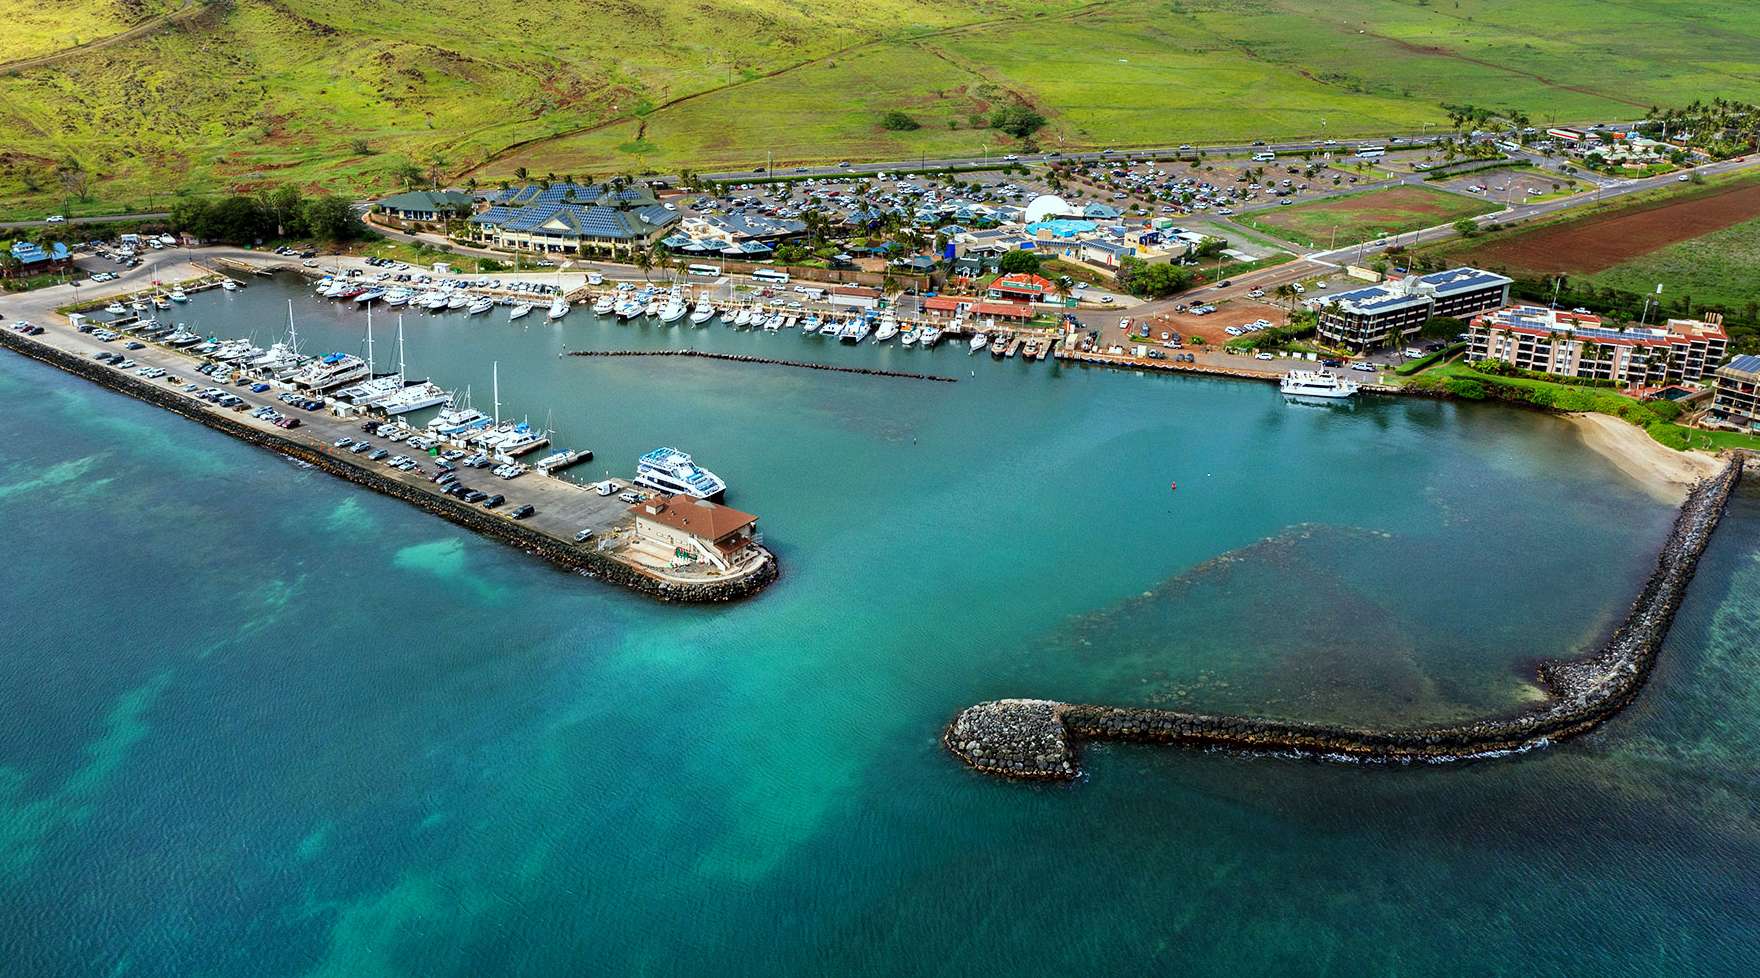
[(1036, 739), (613, 551), (741, 358)]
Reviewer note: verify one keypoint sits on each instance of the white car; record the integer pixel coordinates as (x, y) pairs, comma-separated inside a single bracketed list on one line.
[(310, 263), (1262, 356), (56, 219)]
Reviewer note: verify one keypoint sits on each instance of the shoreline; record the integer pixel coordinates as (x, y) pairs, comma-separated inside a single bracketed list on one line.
[(1664, 473), (1035, 739)]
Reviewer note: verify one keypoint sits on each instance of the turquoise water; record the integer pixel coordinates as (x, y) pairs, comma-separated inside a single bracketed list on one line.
[(257, 722)]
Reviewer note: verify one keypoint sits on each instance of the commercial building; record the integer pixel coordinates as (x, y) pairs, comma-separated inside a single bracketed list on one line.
[(696, 530), (1376, 316), (427, 205), (34, 259), (1572, 344), (562, 217), (965, 305), (1023, 287), (1736, 400), (854, 297)]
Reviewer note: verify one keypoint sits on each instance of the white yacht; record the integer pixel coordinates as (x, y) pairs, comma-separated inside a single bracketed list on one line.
[(674, 310), (415, 397), (744, 318), (139, 305), (558, 308), (856, 331), (670, 470), (116, 309), (605, 305), (810, 325), (831, 328), (773, 322), (518, 309), (331, 370), (178, 295), (371, 391), (369, 297), (458, 420), (704, 312), (931, 336), (398, 297), (888, 329), (653, 308), (523, 438), (480, 305), (1314, 383), (229, 285)]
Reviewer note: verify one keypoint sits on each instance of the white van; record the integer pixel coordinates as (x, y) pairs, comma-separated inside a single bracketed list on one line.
[(1265, 157)]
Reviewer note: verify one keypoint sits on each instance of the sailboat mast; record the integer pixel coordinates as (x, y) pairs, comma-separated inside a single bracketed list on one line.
[(400, 377), (292, 333), (495, 376), (369, 340)]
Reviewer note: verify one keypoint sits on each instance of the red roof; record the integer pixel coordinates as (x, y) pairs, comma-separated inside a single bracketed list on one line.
[(712, 521), (979, 307), (1023, 282)]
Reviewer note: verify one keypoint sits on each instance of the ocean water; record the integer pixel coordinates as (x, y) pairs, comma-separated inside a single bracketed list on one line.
[(254, 721)]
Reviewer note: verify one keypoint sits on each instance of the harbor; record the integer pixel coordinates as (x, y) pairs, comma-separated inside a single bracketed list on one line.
[(598, 530)]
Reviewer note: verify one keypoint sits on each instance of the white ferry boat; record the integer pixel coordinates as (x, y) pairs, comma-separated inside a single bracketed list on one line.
[(670, 470), (1312, 383)]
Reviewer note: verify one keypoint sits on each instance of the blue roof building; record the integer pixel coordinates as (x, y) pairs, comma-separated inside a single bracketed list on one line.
[(562, 217), (34, 259)]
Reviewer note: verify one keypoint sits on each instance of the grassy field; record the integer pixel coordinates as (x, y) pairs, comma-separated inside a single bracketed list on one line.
[(1360, 217), (1719, 269), (338, 95)]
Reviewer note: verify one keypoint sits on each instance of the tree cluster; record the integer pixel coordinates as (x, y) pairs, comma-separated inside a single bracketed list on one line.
[(283, 212)]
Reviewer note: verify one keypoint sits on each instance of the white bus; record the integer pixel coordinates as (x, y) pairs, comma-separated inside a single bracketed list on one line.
[(771, 276), (706, 271), (1371, 152), (1265, 157)]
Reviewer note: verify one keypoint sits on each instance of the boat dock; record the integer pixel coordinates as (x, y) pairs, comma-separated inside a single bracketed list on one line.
[(552, 464)]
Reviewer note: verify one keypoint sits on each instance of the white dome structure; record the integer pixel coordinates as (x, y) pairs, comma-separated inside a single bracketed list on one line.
[(1047, 206)]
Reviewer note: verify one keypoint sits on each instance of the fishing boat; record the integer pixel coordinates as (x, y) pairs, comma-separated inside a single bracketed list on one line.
[(605, 305), (703, 313), (178, 295), (909, 338), (160, 302), (888, 329), (398, 297), (979, 342), (116, 309), (558, 309), (480, 304), (517, 310), (743, 319), (230, 285), (810, 325), (139, 305), (931, 336), (458, 300), (674, 310)]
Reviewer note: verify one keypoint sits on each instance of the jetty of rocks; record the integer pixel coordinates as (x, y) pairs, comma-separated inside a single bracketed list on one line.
[(740, 358), (1036, 738)]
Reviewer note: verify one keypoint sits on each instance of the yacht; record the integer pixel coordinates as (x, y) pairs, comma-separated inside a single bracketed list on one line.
[(116, 309), (160, 302), (703, 313), (331, 370), (628, 309), (605, 305), (178, 295), (856, 331), (371, 391), (888, 329), (368, 297), (139, 305), (773, 322), (181, 337), (479, 305), (1312, 383), (674, 310), (458, 420), (523, 438), (397, 297), (930, 337), (229, 285), (415, 397), (558, 309), (810, 325), (744, 318), (653, 308), (458, 300), (670, 470), (909, 338), (831, 328), (517, 310), (979, 342)]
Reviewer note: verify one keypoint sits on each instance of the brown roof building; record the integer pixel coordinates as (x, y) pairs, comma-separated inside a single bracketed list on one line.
[(696, 529)]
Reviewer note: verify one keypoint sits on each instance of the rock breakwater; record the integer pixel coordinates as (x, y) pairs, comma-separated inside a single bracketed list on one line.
[(1036, 739), (741, 358)]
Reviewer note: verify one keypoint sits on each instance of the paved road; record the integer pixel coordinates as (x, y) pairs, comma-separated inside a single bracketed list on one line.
[(95, 219)]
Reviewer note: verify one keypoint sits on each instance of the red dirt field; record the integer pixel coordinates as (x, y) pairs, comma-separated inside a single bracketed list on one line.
[(1597, 243)]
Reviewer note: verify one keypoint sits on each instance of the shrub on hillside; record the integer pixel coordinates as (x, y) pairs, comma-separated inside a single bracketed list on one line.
[(897, 121)]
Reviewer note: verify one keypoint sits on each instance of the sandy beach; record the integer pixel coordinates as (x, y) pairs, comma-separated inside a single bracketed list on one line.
[(1662, 471)]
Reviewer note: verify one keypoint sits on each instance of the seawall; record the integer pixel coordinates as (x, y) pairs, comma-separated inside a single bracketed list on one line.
[(1036, 739), (588, 562)]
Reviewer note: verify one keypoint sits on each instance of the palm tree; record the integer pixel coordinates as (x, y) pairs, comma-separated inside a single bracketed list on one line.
[(644, 261)]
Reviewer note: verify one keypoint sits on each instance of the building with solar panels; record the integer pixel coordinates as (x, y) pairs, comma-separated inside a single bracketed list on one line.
[(1736, 402), (1384, 314), (1573, 344), (563, 217)]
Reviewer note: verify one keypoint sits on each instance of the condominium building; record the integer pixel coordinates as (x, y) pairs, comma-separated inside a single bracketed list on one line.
[(1737, 398), (1367, 318), (1574, 344)]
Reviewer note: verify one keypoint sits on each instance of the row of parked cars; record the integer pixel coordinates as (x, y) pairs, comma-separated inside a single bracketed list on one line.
[(445, 474)]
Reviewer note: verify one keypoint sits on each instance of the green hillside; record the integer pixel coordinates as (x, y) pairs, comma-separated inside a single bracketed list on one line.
[(344, 95)]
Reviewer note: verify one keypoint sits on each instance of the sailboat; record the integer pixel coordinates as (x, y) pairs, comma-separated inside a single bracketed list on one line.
[(412, 397)]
